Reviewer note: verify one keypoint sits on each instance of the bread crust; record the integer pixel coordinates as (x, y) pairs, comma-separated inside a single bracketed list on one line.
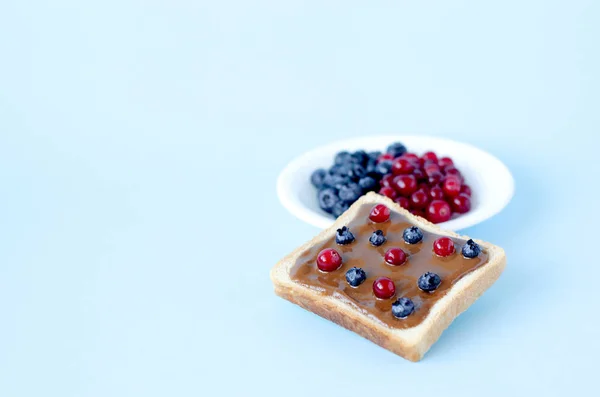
[(411, 343)]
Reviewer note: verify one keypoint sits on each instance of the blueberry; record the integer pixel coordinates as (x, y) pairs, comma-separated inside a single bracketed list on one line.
[(335, 181), (339, 208), (368, 184), (356, 276), (402, 308), (384, 167), (371, 166), (374, 155), (340, 169), (342, 157), (471, 249), (344, 236), (377, 238), (351, 171), (356, 172), (412, 235), (318, 177), (360, 157), (429, 282), (375, 175), (350, 192), (327, 198), (396, 149)]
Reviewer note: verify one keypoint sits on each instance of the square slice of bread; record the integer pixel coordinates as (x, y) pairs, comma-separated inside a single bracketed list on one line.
[(410, 343)]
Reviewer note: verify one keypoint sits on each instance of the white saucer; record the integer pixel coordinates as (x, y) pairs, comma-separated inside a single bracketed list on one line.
[(490, 180)]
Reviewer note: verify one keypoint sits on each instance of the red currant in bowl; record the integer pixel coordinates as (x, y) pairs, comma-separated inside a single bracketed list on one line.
[(466, 189), (385, 156), (419, 199), (451, 186), (386, 181), (403, 202), (405, 184), (389, 192), (445, 161), (435, 178), (436, 193), (402, 166), (462, 203), (430, 156), (439, 211), (411, 157)]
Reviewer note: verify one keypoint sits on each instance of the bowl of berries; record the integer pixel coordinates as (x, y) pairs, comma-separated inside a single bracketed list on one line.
[(453, 184)]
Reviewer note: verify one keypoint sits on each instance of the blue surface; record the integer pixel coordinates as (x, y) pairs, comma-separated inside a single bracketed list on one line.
[(139, 147)]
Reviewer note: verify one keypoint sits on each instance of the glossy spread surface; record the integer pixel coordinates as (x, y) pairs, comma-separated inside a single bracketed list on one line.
[(361, 253)]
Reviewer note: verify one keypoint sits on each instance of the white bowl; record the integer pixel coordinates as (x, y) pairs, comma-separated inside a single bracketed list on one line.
[(490, 180)]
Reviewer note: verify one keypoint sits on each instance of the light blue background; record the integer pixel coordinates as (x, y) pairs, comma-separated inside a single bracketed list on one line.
[(139, 146)]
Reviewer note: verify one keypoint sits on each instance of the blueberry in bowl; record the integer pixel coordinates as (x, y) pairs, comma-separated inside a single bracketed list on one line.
[(396, 149), (317, 178), (360, 157), (339, 208), (384, 167), (342, 157), (350, 192), (328, 197), (368, 184)]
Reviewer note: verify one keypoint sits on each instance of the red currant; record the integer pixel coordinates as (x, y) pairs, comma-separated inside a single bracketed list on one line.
[(389, 192), (380, 213), (418, 212), (402, 166), (436, 193), (405, 184), (438, 211), (430, 168), (419, 199), (435, 178), (419, 175), (403, 201), (385, 156), (443, 246), (451, 186), (395, 256), (329, 260), (411, 157), (384, 288), (424, 187), (461, 203), (430, 156), (466, 189), (445, 161), (450, 170), (386, 181)]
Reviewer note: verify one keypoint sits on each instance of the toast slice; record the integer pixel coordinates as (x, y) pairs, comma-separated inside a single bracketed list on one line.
[(410, 342)]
